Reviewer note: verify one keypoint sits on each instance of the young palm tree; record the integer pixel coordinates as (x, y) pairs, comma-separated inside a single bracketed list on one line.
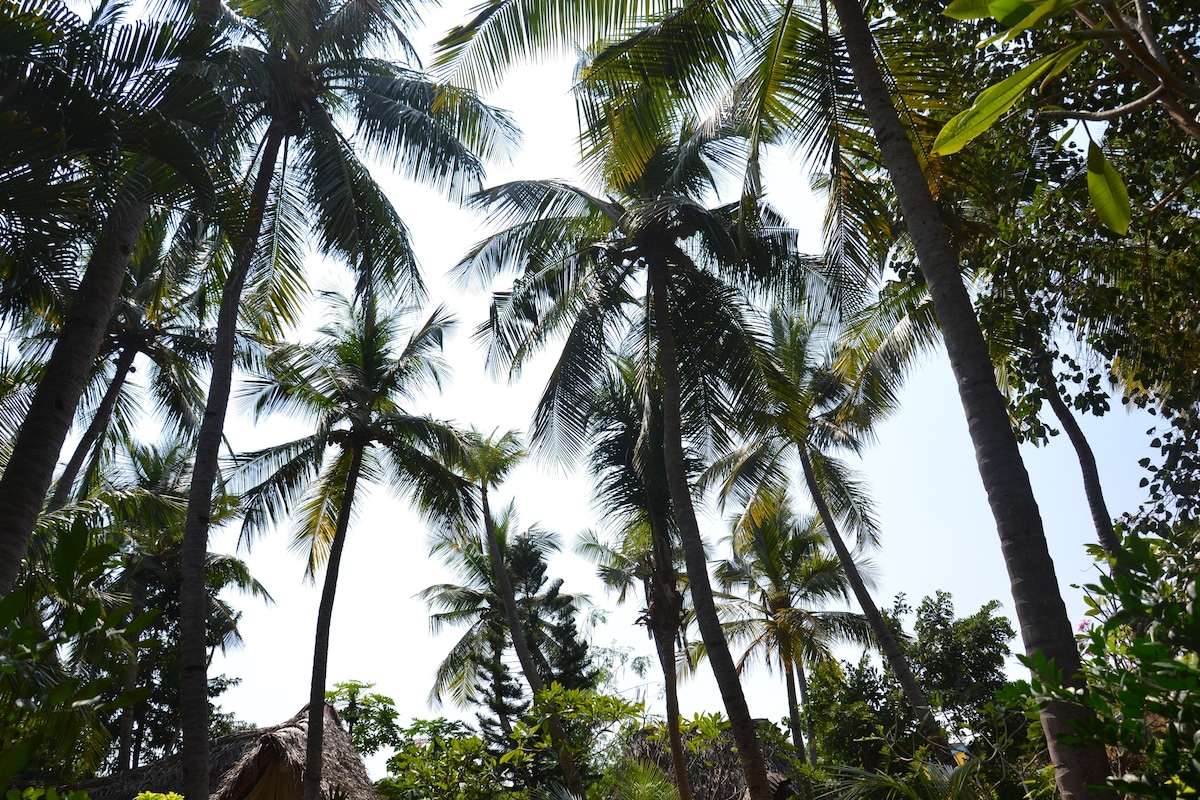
[(582, 260), (351, 384), (806, 408), (485, 464), (300, 71), (789, 578)]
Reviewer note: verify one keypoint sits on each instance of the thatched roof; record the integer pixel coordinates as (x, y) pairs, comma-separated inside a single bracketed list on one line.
[(257, 764), (714, 770)]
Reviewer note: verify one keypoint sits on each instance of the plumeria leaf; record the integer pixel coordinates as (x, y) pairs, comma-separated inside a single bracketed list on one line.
[(1107, 190)]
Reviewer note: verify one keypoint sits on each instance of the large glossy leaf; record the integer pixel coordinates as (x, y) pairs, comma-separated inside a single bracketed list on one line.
[(988, 106), (1107, 190), (967, 9)]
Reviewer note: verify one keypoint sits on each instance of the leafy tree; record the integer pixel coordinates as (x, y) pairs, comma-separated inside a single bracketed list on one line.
[(442, 760), (370, 717), (1141, 659)]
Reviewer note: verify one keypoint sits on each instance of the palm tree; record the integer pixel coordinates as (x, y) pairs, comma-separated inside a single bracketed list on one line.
[(297, 70), (136, 112), (485, 464), (626, 462), (780, 561), (705, 46), (581, 260), (153, 319), (806, 408), (350, 383)]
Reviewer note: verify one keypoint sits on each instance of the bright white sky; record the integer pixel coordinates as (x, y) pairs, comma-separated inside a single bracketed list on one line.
[(937, 529)]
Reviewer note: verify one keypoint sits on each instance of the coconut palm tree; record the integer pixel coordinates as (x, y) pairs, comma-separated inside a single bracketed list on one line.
[(646, 262), (154, 320), (351, 384), (485, 464), (124, 108), (301, 75), (789, 579), (806, 408), (706, 47), (626, 463)]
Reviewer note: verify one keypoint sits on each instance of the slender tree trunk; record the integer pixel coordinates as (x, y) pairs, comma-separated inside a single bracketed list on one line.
[(128, 683), (741, 724), (789, 678), (1042, 616), (665, 645), (193, 690), (1101, 519), (665, 615), (35, 453), (809, 725), (97, 427), (879, 627), (566, 761), (315, 747)]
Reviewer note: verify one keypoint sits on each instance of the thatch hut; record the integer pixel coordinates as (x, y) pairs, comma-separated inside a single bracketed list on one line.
[(256, 764), (714, 769)]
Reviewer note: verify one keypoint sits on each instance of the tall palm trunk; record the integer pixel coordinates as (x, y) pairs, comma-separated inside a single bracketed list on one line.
[(97, 427), (810, 725), (35, 453), (789, 678), (879, 627), (741, 724), (664, 607), (1045, 627), (566, 761), (193, 690), (665, 619), (315, 745)]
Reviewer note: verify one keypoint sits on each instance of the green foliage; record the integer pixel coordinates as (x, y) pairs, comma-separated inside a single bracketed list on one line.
[(1142, 664), (158, 796), (50, 793), (441, 759), (370, 717), (592, 722)]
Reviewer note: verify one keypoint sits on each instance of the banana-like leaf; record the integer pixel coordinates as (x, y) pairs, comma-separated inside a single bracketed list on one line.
[(1107, 190)]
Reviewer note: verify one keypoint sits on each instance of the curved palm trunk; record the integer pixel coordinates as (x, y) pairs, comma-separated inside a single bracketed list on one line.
[(879, 627), (741, 725), (566, 761), (315, 745), (1042, 616), (97, 427), (810, 727), (35, 453), (193, 690)]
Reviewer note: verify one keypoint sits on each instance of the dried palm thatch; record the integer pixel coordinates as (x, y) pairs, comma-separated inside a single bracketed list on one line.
[(713, 767), (257, 764)]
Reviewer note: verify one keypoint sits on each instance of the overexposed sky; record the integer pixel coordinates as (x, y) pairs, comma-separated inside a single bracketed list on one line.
[(937, 530)]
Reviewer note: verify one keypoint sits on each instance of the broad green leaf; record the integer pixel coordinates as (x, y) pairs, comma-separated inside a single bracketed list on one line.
[(967, 9), (988, 106), (1064, 59), (1108, 193), (1009, 12), (1044, 11), (13, 759)]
